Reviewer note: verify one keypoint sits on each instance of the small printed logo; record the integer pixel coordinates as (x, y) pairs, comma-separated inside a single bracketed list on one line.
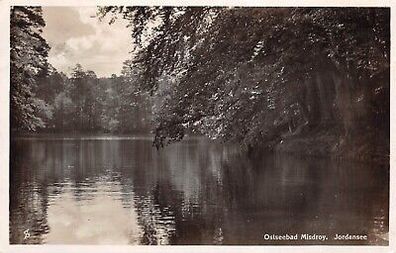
[(27, 234)]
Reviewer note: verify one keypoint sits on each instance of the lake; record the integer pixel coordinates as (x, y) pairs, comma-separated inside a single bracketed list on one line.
[(121, 190)]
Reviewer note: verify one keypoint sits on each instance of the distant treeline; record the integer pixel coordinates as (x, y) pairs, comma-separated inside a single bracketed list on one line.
[(86, 103)]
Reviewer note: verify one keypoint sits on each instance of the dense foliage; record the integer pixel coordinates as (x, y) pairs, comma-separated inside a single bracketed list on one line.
[(263, 75), (28, 56)]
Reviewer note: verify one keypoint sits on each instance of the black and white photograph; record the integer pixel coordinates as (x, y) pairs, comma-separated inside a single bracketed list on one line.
[(199, 125)]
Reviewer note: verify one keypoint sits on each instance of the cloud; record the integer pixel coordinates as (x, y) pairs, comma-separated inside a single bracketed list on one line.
[(63, 23), (77, 36)]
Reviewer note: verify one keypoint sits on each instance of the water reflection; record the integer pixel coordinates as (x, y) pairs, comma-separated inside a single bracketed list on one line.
[(122, 191)]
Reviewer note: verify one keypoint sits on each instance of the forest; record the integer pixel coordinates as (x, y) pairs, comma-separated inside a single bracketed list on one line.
[(308, 80), (45, 100)]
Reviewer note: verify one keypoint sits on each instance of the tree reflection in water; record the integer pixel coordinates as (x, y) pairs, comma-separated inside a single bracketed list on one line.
[(123, 191)]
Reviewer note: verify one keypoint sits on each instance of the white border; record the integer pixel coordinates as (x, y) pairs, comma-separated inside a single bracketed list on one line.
[(4, 132)]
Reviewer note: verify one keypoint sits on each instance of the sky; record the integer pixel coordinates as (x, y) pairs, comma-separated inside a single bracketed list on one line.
[(77, 36)]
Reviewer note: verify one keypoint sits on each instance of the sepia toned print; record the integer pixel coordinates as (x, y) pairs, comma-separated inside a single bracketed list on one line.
[(199, 125)]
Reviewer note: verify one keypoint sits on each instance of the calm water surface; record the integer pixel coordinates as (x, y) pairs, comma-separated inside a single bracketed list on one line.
[(120, 190)]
